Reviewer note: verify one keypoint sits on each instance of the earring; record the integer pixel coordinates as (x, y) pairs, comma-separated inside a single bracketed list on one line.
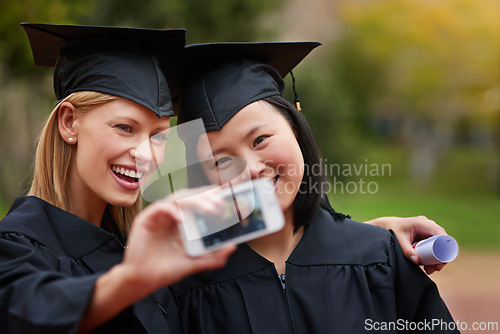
[(70, 140)]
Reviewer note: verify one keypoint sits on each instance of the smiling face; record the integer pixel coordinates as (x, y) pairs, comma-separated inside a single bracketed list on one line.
[(117, 144), (261, 137)]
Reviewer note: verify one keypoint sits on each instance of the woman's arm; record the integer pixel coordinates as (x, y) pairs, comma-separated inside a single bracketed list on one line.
[(154, 258), (409, 230)]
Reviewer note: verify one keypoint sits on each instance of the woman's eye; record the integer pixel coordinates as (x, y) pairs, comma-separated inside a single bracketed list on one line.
[(222, 162), (159, 137), (123, 127), (259, 140)]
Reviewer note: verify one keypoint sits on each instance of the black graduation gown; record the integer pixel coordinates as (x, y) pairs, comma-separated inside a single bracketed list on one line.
[(342, 277), (49, 262)]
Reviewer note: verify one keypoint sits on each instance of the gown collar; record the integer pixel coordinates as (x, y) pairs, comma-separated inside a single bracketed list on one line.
[(245, 260), (51, 226), (326, 241)]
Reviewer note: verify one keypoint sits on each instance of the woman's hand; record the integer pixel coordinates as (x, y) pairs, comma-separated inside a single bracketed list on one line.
[(155, 253), (154, 258), (410, 230)]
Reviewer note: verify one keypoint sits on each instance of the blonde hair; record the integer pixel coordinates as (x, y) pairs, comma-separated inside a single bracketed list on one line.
[(53, 162)]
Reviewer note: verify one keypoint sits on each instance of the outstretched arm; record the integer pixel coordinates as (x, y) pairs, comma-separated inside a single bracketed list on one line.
[(154, 258)]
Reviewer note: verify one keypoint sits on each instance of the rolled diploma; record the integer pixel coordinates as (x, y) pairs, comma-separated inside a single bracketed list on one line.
[(436, 249)]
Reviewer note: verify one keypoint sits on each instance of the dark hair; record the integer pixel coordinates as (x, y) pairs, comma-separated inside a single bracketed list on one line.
[(310, 195)]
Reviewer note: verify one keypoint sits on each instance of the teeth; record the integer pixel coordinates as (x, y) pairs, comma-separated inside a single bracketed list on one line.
[(127, 172)]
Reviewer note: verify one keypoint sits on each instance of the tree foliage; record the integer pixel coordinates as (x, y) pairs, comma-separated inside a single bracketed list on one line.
[(217, 20), (424, 74), (435, 55), (14, 48)]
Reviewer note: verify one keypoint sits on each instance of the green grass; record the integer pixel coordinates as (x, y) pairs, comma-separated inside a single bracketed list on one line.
[(460, 196)]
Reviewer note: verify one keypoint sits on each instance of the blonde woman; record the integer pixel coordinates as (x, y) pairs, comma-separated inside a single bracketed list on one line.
[(63, 267)]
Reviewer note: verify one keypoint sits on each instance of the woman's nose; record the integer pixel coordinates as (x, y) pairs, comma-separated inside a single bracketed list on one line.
[(256, 167), (143, 152)]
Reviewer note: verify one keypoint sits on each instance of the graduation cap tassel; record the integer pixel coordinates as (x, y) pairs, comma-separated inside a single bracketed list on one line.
[(296, 100)]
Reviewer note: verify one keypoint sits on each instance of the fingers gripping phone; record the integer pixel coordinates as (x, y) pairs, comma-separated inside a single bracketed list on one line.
[(251, 210)]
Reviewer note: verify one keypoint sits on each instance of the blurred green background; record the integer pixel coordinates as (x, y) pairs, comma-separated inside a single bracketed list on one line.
[(413, 85)]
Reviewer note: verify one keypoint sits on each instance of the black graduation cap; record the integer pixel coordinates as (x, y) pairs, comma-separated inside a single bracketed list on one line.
[(125, 62), (219, 79)]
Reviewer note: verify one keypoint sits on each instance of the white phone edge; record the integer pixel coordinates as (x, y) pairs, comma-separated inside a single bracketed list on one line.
[(271, 211)]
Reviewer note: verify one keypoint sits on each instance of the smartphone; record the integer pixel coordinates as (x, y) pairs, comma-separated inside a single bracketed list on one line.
[(251, 210)]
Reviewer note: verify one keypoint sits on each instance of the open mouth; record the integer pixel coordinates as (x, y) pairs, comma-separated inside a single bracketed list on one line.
[(128, 175)]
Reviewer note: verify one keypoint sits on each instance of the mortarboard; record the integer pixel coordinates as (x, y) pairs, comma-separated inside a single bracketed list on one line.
[(125, 62), (219, 79)]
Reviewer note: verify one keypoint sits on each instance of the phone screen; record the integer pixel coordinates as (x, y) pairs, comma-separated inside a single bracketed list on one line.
[(241, 215)]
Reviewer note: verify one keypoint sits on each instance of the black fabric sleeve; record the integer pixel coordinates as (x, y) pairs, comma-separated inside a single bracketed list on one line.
[(39, 292)]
